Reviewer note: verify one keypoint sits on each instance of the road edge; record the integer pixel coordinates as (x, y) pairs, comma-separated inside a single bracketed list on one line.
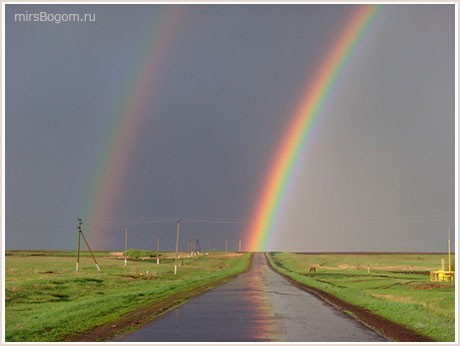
[(138, 318), (389, 329)]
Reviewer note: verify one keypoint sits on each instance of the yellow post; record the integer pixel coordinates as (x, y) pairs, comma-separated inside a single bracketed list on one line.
[(448, 246)]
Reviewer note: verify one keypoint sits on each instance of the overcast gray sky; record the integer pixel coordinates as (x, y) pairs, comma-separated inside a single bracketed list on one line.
[(378, 172)]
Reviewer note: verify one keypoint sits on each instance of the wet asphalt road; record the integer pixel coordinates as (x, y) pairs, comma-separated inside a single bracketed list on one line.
[(259, 305)]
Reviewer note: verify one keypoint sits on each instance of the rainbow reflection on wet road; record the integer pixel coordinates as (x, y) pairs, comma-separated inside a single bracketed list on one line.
[(258, 306)]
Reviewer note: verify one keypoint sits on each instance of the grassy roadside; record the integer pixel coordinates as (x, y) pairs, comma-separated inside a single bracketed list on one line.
[(396, 287), (45, 300)]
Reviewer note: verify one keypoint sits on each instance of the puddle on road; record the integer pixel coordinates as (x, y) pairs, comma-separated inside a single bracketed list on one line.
[(257, 306)]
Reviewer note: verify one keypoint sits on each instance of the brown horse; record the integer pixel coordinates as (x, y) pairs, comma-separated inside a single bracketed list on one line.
[(312, 270)]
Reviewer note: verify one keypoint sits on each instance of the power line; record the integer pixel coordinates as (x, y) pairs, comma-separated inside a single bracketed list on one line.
[(215, 221), (148, 220), (160, 218), (412, 219)]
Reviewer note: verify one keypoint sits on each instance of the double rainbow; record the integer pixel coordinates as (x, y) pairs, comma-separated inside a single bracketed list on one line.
[(132, 112), (294, 139)]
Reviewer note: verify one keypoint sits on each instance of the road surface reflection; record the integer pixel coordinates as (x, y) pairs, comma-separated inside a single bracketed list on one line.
[(257, 306)]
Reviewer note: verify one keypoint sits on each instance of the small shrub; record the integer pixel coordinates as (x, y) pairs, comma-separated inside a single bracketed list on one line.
[(138, 253)]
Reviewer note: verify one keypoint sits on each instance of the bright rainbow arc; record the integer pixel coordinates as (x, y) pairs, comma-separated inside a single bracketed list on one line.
[(107, 186), (293, 142)]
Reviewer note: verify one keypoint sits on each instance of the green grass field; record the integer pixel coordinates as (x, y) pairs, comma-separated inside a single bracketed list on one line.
[(46, 300), (395, 286)]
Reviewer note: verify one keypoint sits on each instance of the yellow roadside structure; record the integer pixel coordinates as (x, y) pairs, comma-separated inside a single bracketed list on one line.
[(443, 275)]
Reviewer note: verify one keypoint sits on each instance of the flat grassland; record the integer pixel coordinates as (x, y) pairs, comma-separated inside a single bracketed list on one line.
[(394, 286), (46, 300)]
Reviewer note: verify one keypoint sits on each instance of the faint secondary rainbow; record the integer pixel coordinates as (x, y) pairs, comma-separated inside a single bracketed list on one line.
[(131, 113), (298, 130)]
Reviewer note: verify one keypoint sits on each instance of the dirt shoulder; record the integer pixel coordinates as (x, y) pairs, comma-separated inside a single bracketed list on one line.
[(140, 317), (136, 319), (385, 327)]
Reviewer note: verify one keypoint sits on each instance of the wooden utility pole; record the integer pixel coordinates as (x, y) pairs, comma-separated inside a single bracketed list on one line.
[(239, 246), (225, 245), (177, 245), (126, 246), (198, 247), (158, 249), (78, 245), (80, 233)]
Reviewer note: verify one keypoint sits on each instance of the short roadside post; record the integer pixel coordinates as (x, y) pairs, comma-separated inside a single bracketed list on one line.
[(158, 249), (177, 245), (126, 246)]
